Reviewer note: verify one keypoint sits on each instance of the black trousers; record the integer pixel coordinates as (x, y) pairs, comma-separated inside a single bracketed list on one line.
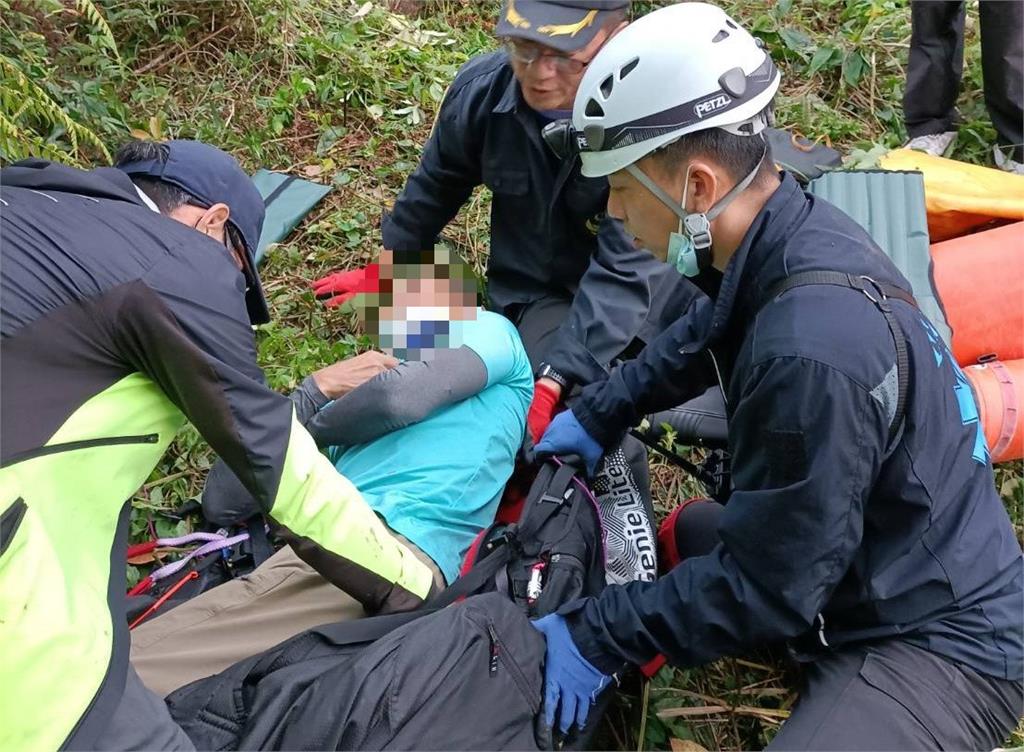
[(936, 63), (888, 695)]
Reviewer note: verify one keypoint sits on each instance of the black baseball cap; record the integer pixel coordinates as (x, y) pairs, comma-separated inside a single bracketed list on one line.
[(565, 25), (213, 177)]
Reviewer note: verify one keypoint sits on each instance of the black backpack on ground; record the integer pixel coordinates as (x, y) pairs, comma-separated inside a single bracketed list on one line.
[(465, 677)]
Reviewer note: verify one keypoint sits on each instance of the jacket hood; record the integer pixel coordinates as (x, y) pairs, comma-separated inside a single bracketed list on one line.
[(42, 175)]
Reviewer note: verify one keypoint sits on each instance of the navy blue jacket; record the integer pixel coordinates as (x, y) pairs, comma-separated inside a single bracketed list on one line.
[(830, 536), (549, 233)]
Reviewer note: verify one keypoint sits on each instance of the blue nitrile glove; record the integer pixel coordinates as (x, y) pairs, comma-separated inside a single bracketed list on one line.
[(568, 676), (565, 435)]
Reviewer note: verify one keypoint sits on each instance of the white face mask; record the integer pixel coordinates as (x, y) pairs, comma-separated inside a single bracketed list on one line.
[(428, 313)]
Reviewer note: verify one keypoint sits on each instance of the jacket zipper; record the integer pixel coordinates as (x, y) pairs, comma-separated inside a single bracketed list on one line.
[(71, 446), (497, 648)]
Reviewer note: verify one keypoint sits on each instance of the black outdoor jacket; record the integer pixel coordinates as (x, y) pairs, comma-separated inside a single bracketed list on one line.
[(830, 536)]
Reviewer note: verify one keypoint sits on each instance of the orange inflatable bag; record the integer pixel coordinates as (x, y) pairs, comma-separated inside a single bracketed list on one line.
[(960, 197), (980, 280), (999, 391)]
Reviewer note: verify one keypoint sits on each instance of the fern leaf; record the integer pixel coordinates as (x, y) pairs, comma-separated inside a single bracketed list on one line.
[(88, 9)]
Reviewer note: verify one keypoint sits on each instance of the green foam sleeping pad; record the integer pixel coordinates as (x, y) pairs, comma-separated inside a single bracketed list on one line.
[(288, 200), (890, 206)]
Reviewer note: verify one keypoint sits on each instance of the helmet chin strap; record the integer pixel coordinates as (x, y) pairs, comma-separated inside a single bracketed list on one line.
[(690, 247)]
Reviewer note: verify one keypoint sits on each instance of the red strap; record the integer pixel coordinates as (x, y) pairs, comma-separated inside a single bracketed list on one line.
[(193, 575), (474, 548), (141, 586), (1008, 425), (141, 548)]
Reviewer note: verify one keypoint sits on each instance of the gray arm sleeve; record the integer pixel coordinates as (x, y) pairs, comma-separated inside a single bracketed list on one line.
[(308, 399), (401, 396)]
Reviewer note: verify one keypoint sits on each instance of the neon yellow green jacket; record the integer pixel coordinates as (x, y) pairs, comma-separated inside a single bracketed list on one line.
[(117, 326)]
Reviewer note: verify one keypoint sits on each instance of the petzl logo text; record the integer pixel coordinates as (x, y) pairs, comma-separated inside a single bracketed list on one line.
[(711, 105)]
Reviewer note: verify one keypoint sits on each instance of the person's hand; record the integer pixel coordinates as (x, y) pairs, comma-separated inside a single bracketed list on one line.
[(565, 435), (340, 287), (339, 379), (571, 683), (546, 395)]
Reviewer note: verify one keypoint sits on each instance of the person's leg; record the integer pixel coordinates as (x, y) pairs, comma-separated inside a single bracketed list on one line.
[(691, 529), (1002, 63), (142, 722), (538, 324), (934, 67), (892, 695), (242, 618)]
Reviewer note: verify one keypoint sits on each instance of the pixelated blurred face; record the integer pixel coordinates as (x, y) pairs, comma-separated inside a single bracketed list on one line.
[(420, 296)]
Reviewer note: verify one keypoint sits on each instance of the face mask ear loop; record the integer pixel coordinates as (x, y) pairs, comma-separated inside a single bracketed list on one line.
[(737, 189)]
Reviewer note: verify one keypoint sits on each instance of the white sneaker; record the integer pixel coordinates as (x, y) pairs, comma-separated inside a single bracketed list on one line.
[(936, 144), (1006, 164)]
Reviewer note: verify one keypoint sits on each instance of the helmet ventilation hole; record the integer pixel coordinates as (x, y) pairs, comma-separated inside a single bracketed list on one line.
[(594, 109), (626, 69), (606, 87), (722, 34), (730, 24)]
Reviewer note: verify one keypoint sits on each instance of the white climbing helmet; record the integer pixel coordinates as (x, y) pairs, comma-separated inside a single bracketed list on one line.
[(680, 69)]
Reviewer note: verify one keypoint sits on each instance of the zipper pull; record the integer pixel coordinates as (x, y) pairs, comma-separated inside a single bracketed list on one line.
[(493, 666)]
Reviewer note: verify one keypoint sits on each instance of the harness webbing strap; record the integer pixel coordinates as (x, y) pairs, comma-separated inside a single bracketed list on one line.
[(878, 293)]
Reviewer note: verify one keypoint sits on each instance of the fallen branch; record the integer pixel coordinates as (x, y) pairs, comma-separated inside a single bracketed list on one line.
[(161, 60)]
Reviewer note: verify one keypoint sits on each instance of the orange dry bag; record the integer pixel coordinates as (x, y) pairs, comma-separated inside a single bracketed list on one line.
[(960, 196), (980, 281)]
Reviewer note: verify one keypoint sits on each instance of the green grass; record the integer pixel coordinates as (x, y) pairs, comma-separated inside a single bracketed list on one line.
[(345, 93)]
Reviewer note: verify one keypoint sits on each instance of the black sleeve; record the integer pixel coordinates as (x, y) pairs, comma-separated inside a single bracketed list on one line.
[(810, 449), (673, 368), (609, 308)]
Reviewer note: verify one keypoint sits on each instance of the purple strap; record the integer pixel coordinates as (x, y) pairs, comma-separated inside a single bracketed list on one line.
[(190, 538), (217, 543)]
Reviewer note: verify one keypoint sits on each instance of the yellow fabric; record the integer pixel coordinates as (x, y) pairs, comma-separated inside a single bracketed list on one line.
[(959, 196), (55, 622), (315, 501)]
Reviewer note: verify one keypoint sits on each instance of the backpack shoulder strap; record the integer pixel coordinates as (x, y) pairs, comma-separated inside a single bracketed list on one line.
[(878, 293)]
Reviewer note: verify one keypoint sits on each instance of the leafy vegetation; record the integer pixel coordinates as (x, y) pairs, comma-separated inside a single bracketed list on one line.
[(345, 93)]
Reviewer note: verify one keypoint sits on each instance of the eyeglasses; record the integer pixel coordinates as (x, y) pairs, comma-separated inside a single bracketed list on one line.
[(529, 54)]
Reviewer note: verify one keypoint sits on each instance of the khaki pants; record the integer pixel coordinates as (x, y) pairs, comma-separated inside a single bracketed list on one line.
[(242, 618)]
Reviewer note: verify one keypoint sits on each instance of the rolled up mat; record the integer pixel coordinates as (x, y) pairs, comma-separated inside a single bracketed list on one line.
[(999, 391), (980, 281), (960, 197)]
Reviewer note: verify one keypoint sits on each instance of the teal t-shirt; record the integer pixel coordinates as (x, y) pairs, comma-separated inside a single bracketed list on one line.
[(438, 482)]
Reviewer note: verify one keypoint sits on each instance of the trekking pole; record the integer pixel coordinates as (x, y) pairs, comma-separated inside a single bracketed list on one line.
[(699, 473)]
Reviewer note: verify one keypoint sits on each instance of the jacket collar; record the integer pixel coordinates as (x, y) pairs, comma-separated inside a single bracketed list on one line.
[(760, 260)]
